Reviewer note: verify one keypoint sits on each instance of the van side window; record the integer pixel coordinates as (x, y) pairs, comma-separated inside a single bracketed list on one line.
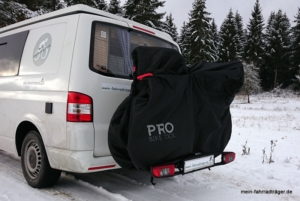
[(11, 49), (111, 48)]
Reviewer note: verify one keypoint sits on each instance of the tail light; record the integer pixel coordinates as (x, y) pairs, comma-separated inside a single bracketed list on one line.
[(80, 107), (228, 157), (163, 171)]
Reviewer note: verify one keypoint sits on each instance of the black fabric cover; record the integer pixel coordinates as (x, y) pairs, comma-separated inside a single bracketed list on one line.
[(174, 113)]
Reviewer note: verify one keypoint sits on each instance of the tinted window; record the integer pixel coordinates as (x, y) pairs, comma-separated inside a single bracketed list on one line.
[(112, 46), (11, 49)]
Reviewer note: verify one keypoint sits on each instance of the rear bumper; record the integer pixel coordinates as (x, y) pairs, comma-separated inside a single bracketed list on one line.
[(191, 164), (79, 161)]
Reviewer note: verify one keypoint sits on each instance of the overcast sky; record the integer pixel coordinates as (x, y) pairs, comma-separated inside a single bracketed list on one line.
[(220, 8)]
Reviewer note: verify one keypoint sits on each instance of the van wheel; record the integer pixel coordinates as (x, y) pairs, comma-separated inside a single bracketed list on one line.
[(35, 165)]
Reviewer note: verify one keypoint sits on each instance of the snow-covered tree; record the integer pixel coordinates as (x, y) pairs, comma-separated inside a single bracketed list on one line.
[(184, 42), (114, 7), (295, 58), (52, 5), (240, 34), (85, 2), (12, 12), (215, 39), (202, 46), (251, 80), (267, 77), (99, 4), (254, 49), (144, 11), (229, 39), (278, 43), (32, 5), (296, 84), (170, 28)]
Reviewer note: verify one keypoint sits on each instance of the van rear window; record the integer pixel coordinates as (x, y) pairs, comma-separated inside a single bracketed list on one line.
[(112, 45)]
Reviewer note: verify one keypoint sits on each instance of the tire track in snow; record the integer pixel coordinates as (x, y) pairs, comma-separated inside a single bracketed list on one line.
[(132, 184), (66, 189)]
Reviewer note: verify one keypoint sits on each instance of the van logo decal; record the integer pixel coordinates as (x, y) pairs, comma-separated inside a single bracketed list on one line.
[(34, 81), (42, 49)]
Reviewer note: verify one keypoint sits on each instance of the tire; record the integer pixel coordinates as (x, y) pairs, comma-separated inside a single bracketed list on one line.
[(35, 165)]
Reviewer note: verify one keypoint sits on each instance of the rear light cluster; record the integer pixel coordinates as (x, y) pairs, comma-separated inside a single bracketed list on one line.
[(80, 107), (228, 157), (163, 171)]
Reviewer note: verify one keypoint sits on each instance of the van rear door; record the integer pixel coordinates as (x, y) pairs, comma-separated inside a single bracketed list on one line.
[(106, 75), (111, 59)]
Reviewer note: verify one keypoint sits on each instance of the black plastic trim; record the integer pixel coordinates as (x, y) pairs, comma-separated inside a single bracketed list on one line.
[(48, 108)]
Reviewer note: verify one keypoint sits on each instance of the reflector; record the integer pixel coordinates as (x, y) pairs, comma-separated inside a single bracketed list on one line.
[(163, 171), (228, 157), (102, 167)]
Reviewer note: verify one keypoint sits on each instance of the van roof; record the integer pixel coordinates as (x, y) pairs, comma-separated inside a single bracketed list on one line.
[(79, 8)]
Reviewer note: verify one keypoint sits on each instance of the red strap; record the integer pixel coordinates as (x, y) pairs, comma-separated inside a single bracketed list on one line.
[(140, 77), (134, 68)]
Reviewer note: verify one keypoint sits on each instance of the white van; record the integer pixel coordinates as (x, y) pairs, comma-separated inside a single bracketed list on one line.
[(62, 75)]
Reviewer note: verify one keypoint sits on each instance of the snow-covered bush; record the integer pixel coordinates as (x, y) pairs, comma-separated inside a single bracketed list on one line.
[(252, 81), (246, 150), (269, 159)]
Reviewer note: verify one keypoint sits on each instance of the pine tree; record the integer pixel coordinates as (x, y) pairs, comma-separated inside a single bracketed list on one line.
[(32, 5), (201, 36), (115, 8), (278, 43), (144, 11), (296, 84), (215, 39), (101, 5), (241, 35), (228, 50), (184, 42), (251, 80), (254, 49), (170, 28), (295, 58), (85, 2), (265, 75), (12, 12), (52, 5)]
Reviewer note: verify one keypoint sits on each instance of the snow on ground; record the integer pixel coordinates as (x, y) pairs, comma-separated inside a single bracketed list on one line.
[(269, 117)]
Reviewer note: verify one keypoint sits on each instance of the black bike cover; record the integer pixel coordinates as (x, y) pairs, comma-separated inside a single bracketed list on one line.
[(173, 111)]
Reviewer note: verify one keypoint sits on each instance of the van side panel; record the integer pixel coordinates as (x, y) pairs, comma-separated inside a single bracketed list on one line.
[(43, 77)]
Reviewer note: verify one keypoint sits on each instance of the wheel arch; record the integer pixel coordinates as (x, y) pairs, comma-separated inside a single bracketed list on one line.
[(22, 130)]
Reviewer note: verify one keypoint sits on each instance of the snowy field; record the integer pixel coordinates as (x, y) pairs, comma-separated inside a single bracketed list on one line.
[(268, 118)]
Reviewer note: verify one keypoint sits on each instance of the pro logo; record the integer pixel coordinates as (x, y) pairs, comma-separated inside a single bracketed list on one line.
[(162, 128), (160, 132)]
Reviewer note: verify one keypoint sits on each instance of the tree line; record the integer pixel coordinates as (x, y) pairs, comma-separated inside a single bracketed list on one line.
[(269, 50)]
